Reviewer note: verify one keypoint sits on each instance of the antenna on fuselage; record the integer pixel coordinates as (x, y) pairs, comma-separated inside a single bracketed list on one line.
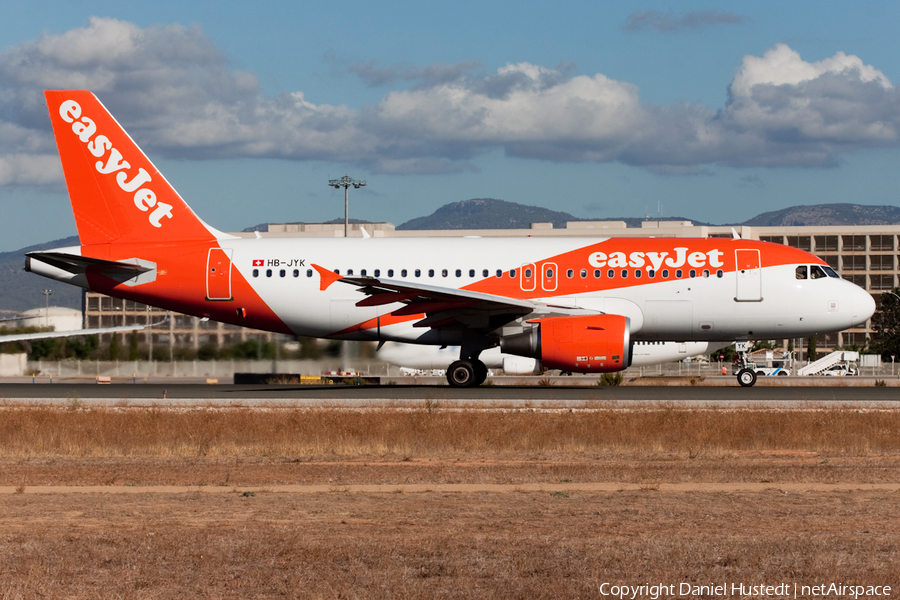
[(735, 234)]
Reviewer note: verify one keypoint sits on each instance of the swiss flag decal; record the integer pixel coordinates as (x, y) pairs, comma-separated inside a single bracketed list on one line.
[(258, 263)]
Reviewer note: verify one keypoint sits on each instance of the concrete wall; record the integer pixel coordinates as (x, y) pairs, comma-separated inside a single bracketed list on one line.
[(12, 365)]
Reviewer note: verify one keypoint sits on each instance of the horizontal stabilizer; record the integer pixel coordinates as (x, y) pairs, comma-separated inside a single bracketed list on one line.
[(76, 264)]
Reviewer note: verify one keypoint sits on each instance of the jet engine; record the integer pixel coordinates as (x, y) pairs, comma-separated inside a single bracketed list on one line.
[(584, 344)]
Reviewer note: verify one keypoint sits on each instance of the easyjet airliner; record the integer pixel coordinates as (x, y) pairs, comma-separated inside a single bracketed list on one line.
[(574, 304)]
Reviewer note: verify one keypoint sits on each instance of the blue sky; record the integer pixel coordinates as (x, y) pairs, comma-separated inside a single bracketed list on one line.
[(710, 111)]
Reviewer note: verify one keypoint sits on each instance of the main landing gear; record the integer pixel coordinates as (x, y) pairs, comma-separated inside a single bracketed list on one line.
[(466, 373)]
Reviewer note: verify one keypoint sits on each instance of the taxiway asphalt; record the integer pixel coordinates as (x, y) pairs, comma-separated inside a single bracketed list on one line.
[(182, 394)]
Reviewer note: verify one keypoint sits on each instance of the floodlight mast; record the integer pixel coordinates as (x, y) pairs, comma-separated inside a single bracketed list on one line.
[(46, 294), (345, 182)]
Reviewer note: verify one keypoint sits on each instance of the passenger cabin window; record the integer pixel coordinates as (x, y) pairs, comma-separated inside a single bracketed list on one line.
[(458, 273), (377, 273), (678, 273), (665, 273), (443, 272), (549, 273), (349, 271), (282, 273), (596, 273), (268, 272), (651, 273), (256, 272), (816, 272), (485, 273), (527, 273), (638, 273), (362, 273), (610, 274), (431, 272), (570, 273), (418, 272), (499, 273), (800, 272), (309, 272), (296, 272), (512, 273), (471, 272), (583, 273)]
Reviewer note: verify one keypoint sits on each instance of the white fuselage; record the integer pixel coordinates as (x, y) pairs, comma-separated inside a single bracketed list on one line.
[(703, 307)]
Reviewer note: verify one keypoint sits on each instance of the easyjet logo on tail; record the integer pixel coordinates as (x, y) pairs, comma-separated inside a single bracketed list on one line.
[(100, 146)]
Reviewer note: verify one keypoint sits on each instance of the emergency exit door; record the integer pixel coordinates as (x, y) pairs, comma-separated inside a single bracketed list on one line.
[(548, 277), (218, 274)]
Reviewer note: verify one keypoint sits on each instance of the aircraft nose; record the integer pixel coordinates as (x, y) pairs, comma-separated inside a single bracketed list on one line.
[(862, 307)]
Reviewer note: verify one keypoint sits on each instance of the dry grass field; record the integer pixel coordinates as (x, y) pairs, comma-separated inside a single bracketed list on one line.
[(433, 502)]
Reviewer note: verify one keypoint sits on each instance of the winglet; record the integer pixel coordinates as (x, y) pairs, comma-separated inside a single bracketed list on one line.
[(327, 277)]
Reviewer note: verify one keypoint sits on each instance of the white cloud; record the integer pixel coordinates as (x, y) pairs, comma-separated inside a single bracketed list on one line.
[(783, 66), (29, 170), (515, 106), (783, 110), (178, 96)]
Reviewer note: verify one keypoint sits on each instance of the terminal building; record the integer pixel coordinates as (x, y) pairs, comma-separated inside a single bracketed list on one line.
[(866, 255)]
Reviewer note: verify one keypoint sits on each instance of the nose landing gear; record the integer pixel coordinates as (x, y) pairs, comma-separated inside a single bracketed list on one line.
[(746, 377)]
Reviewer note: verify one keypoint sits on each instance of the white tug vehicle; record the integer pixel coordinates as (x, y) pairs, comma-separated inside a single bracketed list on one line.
[(840, 363)]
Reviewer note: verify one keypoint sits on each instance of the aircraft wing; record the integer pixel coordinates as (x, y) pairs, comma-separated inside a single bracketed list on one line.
[(443, 306)]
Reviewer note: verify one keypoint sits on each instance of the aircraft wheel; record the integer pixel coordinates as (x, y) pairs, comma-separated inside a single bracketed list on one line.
[(746, 378), (462, 374), (481, 371)]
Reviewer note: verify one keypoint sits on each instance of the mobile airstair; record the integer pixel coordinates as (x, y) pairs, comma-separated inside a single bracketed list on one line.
[(835, 358)]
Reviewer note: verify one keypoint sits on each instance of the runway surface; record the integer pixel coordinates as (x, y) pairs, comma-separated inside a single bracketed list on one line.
[(181, 394)]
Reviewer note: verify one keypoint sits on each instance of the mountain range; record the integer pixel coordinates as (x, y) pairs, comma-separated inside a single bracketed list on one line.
[(827, 214), (20, 290)]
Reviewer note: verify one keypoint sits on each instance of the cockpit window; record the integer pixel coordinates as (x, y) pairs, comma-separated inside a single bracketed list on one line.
[(831, 272), (816, 272), (801, 272)]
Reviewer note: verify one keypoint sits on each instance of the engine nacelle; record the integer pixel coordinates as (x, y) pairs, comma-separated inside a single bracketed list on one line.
[(585, 344)]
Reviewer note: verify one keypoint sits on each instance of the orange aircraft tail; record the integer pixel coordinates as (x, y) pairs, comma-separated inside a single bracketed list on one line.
[(117, 194)]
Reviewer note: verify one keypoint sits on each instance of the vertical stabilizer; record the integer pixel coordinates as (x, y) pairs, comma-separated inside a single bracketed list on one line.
[(117, 194)]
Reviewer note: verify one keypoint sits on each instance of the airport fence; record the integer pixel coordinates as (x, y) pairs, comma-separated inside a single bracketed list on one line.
[(225, 369), (220, 369)]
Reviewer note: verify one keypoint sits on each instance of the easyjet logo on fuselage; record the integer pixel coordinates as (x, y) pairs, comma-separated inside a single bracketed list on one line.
[(100, 146), (657, 260)]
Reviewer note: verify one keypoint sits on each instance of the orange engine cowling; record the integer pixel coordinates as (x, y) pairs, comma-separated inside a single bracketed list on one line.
[(585, 344)]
